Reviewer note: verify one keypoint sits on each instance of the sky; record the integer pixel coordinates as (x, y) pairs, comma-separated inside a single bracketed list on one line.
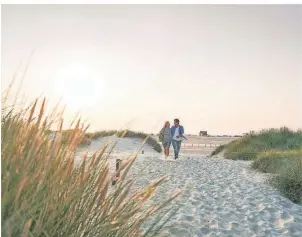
[(227, 69)]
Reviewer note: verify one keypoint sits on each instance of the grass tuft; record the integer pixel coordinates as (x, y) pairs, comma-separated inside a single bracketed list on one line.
[(43, 194), (273, 161), (217, 150), (249, 146), (276, 151), (289, 181)]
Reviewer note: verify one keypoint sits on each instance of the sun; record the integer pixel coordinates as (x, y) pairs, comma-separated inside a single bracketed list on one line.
[(79, 86)]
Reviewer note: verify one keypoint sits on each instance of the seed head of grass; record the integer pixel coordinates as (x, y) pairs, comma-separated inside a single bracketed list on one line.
[(44, 194)]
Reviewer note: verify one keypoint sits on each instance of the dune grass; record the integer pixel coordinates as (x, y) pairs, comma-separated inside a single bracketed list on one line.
[(218, 150), (276, 151), (149, 139), (273, 161), (43, 194), (289, 180), (249, 146), (287, 165)]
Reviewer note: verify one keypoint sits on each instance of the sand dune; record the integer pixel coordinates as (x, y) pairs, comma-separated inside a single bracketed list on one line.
[(221, 197)]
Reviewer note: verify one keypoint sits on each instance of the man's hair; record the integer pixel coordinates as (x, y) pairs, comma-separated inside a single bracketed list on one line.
[(176, 120)]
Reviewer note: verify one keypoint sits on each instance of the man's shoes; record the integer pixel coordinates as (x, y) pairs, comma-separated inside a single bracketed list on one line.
[(176, 157)]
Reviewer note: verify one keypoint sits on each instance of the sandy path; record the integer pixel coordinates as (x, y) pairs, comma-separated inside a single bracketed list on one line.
[(221, 197)]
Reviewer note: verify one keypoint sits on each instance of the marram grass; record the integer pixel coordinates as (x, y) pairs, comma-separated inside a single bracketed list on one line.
[(274, 160), (275, 151), (43, 194), (149, 139)]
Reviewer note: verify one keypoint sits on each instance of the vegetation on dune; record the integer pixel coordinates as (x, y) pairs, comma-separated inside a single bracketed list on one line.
[(249, 146), (273, 161), (43, 194), (88, 137), (101, 134), (217, 150), (289, 181), (276, 151), (150, 140), (287, 165)]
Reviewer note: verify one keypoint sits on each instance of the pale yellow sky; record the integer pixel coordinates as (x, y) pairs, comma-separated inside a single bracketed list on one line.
[(225, 69)]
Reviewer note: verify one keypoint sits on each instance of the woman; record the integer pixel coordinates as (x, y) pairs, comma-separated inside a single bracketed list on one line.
[(165, 136)]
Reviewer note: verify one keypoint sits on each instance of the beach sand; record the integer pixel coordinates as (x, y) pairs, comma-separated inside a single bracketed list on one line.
[(220, 197)]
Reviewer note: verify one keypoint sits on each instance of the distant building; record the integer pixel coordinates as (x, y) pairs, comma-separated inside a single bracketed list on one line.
[(203, 133)]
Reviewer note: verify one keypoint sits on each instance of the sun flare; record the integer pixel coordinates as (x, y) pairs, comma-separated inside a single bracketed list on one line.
[(79, 86)]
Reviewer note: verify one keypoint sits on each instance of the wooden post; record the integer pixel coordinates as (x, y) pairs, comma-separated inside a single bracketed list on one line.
[(117, 167)]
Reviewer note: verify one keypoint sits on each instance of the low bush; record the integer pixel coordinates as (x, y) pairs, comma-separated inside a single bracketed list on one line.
[(276, 151), (249, 146), (273, 161), (217, 150), (289, 181)]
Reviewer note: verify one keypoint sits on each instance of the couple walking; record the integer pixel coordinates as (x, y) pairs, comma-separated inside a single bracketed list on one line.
[(173, 135)]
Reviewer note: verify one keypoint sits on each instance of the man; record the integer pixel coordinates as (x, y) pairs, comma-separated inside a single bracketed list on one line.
[(177, 134)]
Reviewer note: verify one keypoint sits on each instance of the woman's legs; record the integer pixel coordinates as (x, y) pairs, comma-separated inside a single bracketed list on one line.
[(167, 151), (165, 145), (168, 147)]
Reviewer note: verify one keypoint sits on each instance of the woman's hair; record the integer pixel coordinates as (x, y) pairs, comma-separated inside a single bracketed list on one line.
[(166, 123)]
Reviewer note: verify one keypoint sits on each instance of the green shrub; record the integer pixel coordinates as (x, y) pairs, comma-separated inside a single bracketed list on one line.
[(43, 194), (249, 146), (217, 150), (276, 151), (101, 134), (289, 181), (273, 161), (149, 140)]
